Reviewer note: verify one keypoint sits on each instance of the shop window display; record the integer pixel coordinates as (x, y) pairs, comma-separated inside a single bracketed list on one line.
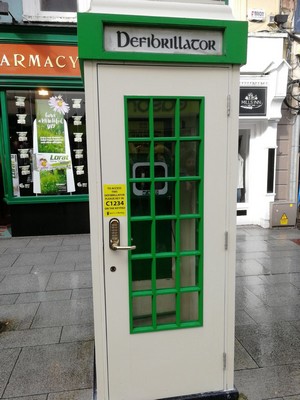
[(47, 142)]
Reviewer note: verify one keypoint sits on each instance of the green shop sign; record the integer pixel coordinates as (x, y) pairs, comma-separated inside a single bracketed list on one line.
[(139, 38)]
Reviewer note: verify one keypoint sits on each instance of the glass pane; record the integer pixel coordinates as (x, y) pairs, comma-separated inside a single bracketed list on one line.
[(48, 142), (165, 273), (188, 197), (188, 234), (141, 236), (141, 274), (189, 303), (142, 311), (164, 155), (140, 200), (165, 268), (164, 117), (166, 309), (58, 5), (163, 204), (189, 156), (138, 119), (189, 271), (189, 117), (139, 153), (164, 236)]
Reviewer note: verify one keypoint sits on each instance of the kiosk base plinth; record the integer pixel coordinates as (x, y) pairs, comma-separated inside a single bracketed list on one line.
[(219, 395)]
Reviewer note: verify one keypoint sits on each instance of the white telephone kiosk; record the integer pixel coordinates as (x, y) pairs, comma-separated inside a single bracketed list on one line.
[(162, 88)]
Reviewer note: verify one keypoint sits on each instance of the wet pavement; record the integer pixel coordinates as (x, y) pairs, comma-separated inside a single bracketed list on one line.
[(267, 355), (46, 318)]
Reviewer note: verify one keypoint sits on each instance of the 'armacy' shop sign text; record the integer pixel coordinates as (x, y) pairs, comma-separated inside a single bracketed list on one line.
[(164, 41), (39, 60)]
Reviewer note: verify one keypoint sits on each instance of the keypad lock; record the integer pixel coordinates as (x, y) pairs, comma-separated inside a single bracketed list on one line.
[(114, 236)]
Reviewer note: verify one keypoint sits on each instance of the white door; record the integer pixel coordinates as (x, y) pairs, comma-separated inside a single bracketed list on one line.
[(163, 140)]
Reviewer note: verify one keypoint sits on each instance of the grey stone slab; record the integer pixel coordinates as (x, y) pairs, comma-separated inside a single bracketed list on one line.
[(279, 278), (283, 265), (42, 241), (85, 247), (77, 239), (16, 270), (8, 359), (81, 293), (78, 257), (71, 247), (297, 397), (283, 244), (270, 382), (268, 315), (14, 242), (70, 280), (270, 345), (8, 299), (30, 337), (77, 333), (65, 312), (242, 318), (86, 394), (23, 250), (53, 267), (251, 256), (52, 368), (37, 397), (19, 316), (249, 280), (250, 267), (36, 259), (252, 246), (282, 253), (7, 260), (279, 294), (245, 299), (83, 266), (24, 283), (242, 359), (38, 297)]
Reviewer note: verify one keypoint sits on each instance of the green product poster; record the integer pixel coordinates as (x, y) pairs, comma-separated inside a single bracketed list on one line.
[(50, 127), (53, 173)]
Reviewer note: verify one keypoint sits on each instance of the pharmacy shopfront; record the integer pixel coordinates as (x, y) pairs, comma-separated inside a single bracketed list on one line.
[(43, 138)]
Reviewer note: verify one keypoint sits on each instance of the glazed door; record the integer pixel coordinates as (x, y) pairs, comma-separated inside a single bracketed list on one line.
[(163, 139)]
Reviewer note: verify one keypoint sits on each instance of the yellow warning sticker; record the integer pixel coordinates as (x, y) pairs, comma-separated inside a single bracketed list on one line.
[(284, 220), (114, 200)]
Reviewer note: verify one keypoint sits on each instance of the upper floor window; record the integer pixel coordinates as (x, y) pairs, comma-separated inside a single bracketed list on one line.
[(53, 10)]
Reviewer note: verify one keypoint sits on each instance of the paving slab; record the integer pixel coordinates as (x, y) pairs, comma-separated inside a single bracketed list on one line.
[(52, 368), (30, 337), (73, 395), (269, 382), (66, 257), (24, 283), (38, 297), (66, 312), (8, 359), (270, 345), (77, 333), (19, 316), (37, 259), (69, 280)]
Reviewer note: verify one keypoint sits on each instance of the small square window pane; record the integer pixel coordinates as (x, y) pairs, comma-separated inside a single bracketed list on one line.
[(59, 5), (142, 311), (189, 307), (166, 309)]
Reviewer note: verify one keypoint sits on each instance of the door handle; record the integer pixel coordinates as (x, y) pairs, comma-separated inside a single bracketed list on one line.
[(114, 236), (114, 247)]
